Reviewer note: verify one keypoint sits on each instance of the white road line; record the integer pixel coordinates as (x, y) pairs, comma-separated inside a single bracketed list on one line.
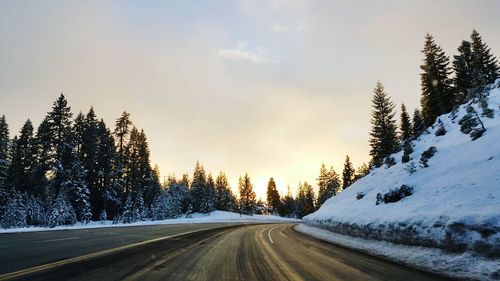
[(59, 239), (269, 234)]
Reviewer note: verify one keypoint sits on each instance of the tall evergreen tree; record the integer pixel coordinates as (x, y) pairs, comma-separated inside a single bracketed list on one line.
[(418, 124), (247, 196), (273, 196), (43, 146), (4, 151), (437, 94), (305, 200), (405, 125), (328, 183), (198, 187), (225, 200), (89, 148), (485, 69), (287, 205), (463, 81), (348, 173), (59, 120), (208, 202), (383, 139), (21, 169), (122, 131), (109, 184)]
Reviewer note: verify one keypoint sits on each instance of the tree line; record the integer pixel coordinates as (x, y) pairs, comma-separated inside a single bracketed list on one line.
[(78, 169)]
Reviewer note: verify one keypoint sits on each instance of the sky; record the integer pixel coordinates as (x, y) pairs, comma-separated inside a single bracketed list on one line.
[(271, 88)]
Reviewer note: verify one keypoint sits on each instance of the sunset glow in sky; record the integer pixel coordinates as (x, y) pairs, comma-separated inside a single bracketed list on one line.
[(269, 87)]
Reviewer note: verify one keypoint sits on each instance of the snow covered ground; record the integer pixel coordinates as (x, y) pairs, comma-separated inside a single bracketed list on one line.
[(455, 205), (213, 217)]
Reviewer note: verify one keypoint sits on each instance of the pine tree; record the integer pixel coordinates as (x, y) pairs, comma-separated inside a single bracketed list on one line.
[(180, 194), (273, 196), (43, 157), (198, 186), (383, 139), (4, 151), (405, 125), (109, 181), (165, 207), (15, 211), (78, 132), (305, 200), (247, 196), (208, 203), (225, 200), (463, 81), (185, 180), (122, 131), (362, 171), (485, 69), (128, 211), (89, 149), (437, 94), (59, 120), (21, 169), (62, 213), (287, 205), (348, 173), (329, 184), (35, 213), (418, 124), (80, 193)]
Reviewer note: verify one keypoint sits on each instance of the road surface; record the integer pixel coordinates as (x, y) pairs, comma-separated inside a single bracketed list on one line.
[(189, 252)]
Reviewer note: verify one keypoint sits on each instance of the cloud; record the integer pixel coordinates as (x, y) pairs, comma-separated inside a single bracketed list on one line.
[(244, 53)]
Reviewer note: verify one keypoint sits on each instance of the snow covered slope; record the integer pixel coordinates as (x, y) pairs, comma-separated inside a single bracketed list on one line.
[(455, 205)]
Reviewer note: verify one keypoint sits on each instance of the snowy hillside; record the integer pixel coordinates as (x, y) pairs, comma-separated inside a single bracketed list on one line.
[(455, 201)]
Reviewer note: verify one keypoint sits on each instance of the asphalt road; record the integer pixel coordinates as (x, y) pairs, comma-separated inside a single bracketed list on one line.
[(183, 252)]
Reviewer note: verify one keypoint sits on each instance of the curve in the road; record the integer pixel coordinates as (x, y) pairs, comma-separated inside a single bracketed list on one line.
[(250, 252)]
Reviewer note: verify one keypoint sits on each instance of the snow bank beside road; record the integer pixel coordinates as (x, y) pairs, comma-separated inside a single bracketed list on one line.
[(463, 266), (213, 217)]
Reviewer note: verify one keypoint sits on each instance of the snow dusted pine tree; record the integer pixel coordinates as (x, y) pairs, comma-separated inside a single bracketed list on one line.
[(15, 211), (128, 212), (20, 173), (4, 151), (247, 196), (35, 213), (224, 199), (198, 188), (165, 207), (80, 192), (180, 194), (62, 212)]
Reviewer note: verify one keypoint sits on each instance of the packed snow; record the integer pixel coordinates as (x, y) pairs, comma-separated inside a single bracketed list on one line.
[(213, 217), (455, 205)]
